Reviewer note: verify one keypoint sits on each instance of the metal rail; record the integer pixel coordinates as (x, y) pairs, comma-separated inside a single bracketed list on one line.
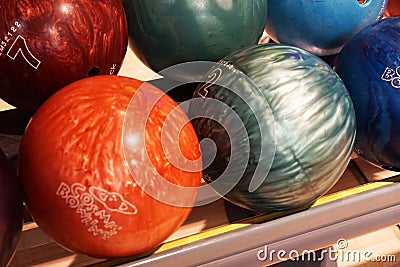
[(312, 229)]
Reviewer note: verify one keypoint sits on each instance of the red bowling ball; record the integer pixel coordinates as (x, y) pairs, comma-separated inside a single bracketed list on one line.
[(11, 210), (47, 44), (393, 8), (75, 175)]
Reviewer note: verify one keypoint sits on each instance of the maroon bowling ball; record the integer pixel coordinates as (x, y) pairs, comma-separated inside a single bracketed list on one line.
[(47, 44), (11, 210)]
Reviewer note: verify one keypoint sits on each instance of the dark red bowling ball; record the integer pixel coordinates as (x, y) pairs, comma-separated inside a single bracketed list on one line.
[(11, 210), (47, 44)]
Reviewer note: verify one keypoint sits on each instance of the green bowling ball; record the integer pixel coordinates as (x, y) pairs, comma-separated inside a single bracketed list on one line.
[(163, 33), (297, 125)]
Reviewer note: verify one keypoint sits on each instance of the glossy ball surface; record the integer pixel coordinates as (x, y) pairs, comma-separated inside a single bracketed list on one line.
[(11, 210), (165, 33), (393, 8), (311, 114), (48, 44), (320, 27), (369, 65), (74, 172)]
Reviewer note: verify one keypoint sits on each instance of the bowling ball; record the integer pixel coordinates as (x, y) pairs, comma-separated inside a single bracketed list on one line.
[(393, 8), (321, 27), (311, 121), (74, 172), (369, 67), (48, 44), (11, 210), (165, 33)]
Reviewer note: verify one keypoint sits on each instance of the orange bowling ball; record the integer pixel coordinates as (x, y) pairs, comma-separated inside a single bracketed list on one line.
[(73, 166), (393, 8)]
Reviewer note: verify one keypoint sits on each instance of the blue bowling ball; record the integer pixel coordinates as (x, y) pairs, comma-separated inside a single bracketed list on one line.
[(321, 27), (279, 109), (369, 65)]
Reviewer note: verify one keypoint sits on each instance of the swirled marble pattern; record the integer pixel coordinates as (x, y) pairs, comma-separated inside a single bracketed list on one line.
[(369, 66), (45, 45), (312, 123), (75, 175)]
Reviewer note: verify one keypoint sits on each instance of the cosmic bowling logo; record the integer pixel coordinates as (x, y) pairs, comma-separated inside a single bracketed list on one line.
[(95, 207), (392, 76)]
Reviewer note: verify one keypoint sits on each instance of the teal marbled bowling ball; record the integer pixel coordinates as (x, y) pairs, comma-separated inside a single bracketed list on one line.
[(163, 33), (293, 105)]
